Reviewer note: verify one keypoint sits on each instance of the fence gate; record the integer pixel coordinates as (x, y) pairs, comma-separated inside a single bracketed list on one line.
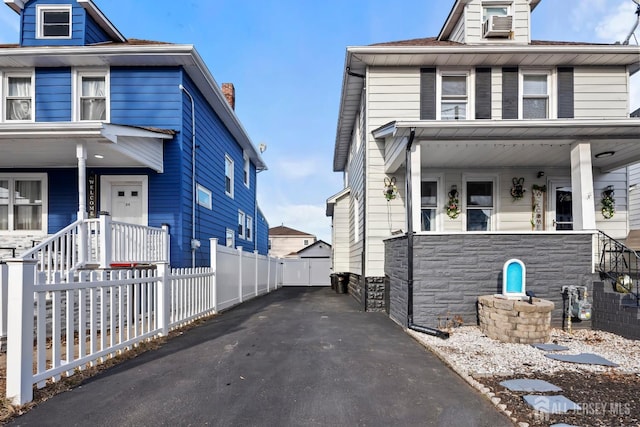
[(306, 272)]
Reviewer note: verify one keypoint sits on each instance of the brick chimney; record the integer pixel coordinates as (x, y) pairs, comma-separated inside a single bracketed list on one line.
[(229, 92)]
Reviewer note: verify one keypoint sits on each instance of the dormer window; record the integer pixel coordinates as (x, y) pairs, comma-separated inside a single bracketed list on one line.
[(497, 20), (54, 22), (491, 9)]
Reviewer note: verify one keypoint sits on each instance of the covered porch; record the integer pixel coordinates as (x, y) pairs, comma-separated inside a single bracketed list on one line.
[(478, 193)]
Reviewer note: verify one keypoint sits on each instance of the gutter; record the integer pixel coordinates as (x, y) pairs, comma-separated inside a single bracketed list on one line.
[(410, 233)]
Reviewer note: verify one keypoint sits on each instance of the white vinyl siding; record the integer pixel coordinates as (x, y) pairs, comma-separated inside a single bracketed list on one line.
[(496, 93), (601, 93), (392, 94), (340, 235)]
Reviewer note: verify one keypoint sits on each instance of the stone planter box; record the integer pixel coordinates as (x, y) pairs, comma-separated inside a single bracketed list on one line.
[(515, 321)]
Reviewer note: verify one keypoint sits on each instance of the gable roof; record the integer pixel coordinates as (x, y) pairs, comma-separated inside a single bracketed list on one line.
[(281, 230), (311, 246)]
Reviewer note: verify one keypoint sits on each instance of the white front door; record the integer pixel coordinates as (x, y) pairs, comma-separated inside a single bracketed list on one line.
[(125, 198), (126, 203)]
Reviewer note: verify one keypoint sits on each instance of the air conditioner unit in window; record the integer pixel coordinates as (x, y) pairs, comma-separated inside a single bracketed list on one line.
[(497, 26)]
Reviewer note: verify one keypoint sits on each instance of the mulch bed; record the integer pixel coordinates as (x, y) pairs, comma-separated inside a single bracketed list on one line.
[(606, 399)]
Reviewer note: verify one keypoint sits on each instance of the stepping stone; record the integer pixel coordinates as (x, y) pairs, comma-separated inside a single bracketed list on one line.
[(585, 358), (529, 385), (551, 404), (550, 347)]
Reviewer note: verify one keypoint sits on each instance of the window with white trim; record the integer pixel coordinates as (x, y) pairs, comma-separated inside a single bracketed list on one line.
[(53, 21), (204, 197), (23, 203), (428, 205), (535, 95), (92, 91), (241, 225), (495, 9), (18, 97), (246, 170), (480, 204), (228, 176), (249, 228), (454, 95), (230, 238)]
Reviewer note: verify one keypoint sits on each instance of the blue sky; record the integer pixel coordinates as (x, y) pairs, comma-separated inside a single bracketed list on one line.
[(286, 58)]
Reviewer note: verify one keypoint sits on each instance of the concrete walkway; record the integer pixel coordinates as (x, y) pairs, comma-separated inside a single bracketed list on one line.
[(295, 357)]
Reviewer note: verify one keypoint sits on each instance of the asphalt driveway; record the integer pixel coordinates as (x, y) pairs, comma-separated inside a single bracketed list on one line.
[(295, 357)]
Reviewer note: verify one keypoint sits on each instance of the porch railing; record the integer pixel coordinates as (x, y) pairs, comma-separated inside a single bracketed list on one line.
[(619, 264), (99, 243)]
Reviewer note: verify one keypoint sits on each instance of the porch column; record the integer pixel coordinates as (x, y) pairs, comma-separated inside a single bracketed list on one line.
[(584, 216), (81, 154), (416, 177)]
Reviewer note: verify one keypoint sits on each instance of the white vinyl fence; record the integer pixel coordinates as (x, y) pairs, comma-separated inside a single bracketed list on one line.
[(56, 326), (306, 272)]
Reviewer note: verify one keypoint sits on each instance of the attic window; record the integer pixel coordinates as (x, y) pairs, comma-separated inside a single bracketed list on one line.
[(495, 9), (54, 22)]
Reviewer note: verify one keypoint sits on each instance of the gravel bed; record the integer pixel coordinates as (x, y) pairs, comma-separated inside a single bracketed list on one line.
[(608, 395)]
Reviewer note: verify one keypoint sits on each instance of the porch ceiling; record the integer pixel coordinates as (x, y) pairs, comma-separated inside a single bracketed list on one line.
[(515, 143), (54, 146)]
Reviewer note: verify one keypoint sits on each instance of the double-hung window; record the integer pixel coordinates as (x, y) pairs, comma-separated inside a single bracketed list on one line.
[(535, 95), (480, 204), (429, 205), (230, 238), (241, 225), (249, 228), (23, 203), (53, 22), (92, 90), (246, 170), (228, 176), (454, 102), (18, 91)]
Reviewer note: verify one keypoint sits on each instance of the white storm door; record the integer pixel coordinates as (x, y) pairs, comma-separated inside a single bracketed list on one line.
[(561, 205), (126, 204)]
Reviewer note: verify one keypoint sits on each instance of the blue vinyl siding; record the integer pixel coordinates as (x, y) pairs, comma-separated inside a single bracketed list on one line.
[(262, 233), (63, 198), (146, 97), (93, 32), (29, 21), (53, 94)]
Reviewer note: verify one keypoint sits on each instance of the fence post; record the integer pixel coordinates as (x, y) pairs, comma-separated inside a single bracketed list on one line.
[(4, 286), (239, 248), (213, 262), (255, 257), (268, 274), (20, 330), (106, 240), (166, 241), (164, 297)]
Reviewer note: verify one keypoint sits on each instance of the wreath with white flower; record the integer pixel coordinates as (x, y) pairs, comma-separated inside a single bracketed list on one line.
[(390, 190), (608, 203)]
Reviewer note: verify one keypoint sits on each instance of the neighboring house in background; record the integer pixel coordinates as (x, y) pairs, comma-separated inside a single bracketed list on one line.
[(318, 249), (464, 150), (93, 122), (285, 241)]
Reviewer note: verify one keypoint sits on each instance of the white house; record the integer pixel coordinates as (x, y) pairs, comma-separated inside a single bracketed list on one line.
[(463, 150)]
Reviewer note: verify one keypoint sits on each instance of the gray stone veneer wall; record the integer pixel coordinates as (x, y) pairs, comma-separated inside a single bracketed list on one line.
[(375, 294), (614, 312), (451, 271), (21, 243)]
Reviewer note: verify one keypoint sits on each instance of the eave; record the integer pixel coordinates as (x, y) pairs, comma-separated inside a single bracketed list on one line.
[(123, 55)]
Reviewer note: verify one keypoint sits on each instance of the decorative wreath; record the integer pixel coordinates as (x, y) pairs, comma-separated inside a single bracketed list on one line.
[(517, 191), (453, 207), (608, 203), (390, 190)]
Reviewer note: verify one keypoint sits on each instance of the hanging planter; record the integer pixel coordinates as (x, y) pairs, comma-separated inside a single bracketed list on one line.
[(390, 190), (608, 203), (453, 207)]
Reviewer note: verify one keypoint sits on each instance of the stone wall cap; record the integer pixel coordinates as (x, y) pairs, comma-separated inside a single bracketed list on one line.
[(539, 306)]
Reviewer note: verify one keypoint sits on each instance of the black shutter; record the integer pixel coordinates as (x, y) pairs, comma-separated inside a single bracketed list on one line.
[(483, 93), (509, 93), (565, 93), (427, 94)]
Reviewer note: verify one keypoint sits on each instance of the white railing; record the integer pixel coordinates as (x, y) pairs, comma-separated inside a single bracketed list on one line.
[(99, 242), (84, 318)]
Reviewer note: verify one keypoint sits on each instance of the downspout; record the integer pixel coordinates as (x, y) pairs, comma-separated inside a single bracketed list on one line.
[(424, 329), (194, 243)]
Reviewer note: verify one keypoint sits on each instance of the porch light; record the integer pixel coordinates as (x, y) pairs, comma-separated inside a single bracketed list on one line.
[(605, 154), (98, 156)]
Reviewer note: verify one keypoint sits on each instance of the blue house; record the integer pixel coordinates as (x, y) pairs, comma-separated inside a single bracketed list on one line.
[(94, 125)]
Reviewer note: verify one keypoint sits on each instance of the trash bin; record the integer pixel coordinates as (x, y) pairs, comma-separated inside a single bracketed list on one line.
[(334, 280), (342, 284)]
